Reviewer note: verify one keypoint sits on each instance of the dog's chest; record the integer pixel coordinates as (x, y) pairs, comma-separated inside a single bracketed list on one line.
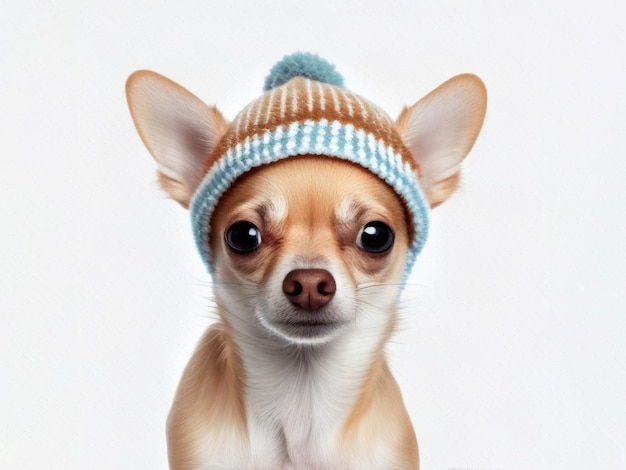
[(298, 416), (290, 451)]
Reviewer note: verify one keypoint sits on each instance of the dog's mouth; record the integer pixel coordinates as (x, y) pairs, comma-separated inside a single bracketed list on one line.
[(308, 324), (309, 329), (300, 323)]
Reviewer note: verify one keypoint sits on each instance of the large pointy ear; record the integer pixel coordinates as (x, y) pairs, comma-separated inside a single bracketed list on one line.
[(440, 130), (179, 130)]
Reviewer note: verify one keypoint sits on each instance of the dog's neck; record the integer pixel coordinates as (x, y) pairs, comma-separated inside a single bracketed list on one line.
[(304, 393)]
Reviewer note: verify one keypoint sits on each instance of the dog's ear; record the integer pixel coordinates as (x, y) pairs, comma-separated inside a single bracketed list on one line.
[(179, 130), (440, 130)]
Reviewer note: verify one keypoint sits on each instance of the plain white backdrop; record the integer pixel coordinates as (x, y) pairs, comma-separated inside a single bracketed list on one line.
[(512, 351)]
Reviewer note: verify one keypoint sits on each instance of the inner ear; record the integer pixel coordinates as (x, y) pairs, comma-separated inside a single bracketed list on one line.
[(179, 130), (440, 130)]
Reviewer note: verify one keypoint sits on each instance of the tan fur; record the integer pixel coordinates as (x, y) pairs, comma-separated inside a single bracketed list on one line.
[(440, 130), (314, 186), (209, 397), (309, 210), (167, 117), (209, 400), (380, 407)]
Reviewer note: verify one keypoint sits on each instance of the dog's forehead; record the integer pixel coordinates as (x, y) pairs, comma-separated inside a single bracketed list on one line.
[(353, 209), (325, 182), (346, 209), (266, 208)]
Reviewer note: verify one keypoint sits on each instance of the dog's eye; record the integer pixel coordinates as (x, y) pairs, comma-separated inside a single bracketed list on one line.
[(243, 237), (375, 237)]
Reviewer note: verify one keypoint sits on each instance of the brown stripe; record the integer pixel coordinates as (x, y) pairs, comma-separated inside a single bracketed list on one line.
[(290, 103)]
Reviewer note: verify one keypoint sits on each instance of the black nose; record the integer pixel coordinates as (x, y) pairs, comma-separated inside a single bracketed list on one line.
[(309, 289)]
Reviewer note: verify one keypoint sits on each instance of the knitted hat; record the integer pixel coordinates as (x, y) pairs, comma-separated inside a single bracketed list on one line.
[(305, 110)]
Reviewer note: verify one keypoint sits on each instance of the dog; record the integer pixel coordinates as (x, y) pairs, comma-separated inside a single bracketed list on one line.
[(308, 209)]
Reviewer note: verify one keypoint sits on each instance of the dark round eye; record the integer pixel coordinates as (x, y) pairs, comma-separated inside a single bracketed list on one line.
[(243, 237), (375, 237)]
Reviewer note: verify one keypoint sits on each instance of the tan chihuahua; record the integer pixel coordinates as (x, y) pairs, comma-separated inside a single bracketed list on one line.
[(308, 209)]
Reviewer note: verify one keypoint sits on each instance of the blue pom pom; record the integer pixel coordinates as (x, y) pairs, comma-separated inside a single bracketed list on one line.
[(302, 64)]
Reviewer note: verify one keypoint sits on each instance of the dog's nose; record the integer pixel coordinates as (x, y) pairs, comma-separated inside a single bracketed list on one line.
[(309, 289)]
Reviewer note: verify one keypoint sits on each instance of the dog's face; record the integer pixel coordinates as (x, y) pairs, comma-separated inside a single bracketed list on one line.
[(306, 248), (309, 247)]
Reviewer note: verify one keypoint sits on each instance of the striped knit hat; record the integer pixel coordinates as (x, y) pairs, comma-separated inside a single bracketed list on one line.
[(306, 110)]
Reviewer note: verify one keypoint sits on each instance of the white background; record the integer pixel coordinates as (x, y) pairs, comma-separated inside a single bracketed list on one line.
[(512, 352)]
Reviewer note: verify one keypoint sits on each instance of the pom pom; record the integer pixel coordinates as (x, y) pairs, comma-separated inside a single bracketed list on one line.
[(302, 64)]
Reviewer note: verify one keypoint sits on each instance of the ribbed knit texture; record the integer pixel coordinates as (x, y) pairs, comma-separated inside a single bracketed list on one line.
[(303, 117)]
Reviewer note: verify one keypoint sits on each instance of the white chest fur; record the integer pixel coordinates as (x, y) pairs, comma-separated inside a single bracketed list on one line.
[(298, 399)]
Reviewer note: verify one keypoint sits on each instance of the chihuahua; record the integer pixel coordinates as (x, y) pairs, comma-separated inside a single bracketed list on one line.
[(308, 210)]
